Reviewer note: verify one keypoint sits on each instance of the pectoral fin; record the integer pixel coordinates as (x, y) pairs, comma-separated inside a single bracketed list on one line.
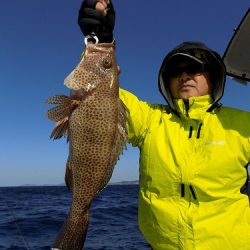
[(61, 129), (61, 113), (65, 107)]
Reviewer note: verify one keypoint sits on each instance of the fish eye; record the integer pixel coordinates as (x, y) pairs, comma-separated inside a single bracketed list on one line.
[(107, 62)]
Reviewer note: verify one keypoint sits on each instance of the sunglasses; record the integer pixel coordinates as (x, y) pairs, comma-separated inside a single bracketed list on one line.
[(192, 68)]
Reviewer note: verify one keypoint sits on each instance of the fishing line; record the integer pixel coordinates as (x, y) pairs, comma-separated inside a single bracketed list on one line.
[(11, 212)]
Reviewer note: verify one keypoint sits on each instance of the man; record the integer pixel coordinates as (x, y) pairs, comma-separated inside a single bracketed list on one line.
[(193, 152)]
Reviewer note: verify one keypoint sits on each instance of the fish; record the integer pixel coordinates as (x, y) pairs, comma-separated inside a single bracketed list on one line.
[(93, 119)]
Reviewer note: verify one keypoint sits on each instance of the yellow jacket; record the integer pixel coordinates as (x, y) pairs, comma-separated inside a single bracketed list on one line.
[(193, 174)]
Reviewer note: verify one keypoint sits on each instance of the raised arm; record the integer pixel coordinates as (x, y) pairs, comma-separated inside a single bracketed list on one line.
[(97, 17)]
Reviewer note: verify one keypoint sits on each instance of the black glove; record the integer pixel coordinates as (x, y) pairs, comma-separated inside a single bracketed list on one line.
[(92, 21)]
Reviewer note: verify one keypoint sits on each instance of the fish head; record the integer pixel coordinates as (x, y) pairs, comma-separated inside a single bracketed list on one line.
[(98, 66)]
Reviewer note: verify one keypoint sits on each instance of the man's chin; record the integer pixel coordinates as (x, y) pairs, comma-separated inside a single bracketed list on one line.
[(187, 94)]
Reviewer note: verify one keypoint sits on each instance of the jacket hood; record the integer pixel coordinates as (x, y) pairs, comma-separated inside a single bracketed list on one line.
[(200, 53)]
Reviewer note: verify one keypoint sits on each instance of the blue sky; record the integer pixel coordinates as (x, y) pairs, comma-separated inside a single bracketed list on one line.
[(40, 43)]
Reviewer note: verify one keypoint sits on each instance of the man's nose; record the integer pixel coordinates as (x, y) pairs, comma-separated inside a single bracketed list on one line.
[(184, 77)]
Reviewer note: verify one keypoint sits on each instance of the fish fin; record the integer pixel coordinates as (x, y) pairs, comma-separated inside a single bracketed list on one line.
[(58, 113), (61, 129), (59, 99), (122, 127), (121, 138), (74, 230), (65, 107), (61, 113), (68, 176)]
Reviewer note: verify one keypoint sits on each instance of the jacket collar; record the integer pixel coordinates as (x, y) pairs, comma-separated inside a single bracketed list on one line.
[(194, 107)]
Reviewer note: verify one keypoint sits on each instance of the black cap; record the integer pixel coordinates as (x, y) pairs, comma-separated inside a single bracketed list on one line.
[(199, 53)]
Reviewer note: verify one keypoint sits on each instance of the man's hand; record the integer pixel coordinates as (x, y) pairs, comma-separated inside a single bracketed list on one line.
[(101, 6), (97, 17)]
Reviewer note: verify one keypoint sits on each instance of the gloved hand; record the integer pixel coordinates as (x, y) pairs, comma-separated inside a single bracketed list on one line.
[(92, 20)]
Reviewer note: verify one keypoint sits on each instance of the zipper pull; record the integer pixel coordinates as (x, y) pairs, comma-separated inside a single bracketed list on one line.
[(199, 131), (182, 190), (190, 132), (192, 192), (186, 103)]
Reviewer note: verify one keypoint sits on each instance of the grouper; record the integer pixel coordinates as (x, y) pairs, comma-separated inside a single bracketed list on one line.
[(93, 119)]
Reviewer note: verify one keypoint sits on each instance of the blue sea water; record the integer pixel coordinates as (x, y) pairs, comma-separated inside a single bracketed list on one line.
[(40, 211)]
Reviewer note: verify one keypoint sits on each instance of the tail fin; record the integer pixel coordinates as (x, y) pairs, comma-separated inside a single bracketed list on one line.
[(73, 232)]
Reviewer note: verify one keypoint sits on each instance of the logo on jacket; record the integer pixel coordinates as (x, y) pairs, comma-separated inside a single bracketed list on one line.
[(215, 143)]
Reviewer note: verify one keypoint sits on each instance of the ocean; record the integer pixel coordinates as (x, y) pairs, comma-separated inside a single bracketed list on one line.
[(30, 218), (37, 213)]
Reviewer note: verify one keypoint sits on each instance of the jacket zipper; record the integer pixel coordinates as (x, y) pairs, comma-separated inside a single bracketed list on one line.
[(198, 132), (182, 190), (186, 103), (190, 132), (191, 190)]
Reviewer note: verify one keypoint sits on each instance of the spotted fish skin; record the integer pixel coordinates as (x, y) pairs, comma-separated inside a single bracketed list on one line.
[(96, 131)]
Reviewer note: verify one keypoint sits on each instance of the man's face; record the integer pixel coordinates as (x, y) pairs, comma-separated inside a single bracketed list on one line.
[(188, 81)]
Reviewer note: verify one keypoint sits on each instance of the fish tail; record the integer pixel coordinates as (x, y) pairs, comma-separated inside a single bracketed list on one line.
[(61, 113), (73, 233)]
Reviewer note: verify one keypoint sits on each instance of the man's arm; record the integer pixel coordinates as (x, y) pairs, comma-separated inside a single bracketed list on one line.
[(138, 117)]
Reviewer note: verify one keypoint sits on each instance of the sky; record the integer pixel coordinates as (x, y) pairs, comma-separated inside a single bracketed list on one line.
[(40, 44)]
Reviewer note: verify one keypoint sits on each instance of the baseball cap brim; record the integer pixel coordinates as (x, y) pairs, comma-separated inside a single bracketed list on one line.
[(179, 57)]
